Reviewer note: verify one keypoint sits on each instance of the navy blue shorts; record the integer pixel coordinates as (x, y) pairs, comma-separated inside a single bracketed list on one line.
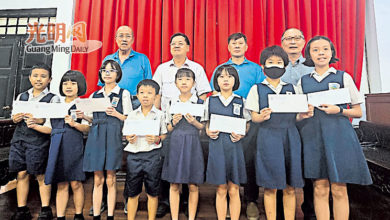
[(25, 156), (143, 168)]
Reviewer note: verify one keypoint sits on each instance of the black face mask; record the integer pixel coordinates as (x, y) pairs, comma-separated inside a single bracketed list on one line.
[(274, 72)]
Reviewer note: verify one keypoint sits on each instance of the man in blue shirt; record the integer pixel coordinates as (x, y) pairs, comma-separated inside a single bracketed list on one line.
[(135, 66), (250, 74)]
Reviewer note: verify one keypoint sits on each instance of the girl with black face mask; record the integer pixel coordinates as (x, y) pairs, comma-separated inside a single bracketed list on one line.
[(278, 159)]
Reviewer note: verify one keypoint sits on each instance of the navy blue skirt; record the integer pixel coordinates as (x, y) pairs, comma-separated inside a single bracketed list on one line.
[(225, 162)]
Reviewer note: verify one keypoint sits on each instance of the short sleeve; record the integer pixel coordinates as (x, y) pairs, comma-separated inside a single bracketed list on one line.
[(147, 69), (260, 75), (55, 99), (356, 97), (157, 77), (246, 113), (299, 87), (252, 101), (47, 123), (126, 102), (202, 83), (168, 116), (163, 125)]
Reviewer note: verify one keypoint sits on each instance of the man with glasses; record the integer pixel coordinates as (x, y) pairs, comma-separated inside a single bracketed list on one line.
[(135, 66), (293, 42), (165, 77)]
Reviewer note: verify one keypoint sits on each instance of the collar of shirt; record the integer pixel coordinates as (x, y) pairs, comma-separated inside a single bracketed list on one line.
[(278, 88), (231, 62), (193, 99), (43, 93), (115, 90), (116, 55), (154, 110), (318, 76), (185, 64), (300, 60), (226, 101)]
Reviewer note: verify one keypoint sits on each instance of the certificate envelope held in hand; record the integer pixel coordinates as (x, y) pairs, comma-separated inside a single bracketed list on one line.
[(287, 103), (184, 108), (141, 127), (227, 124), (41, 109), (332, 97), (93, 105)]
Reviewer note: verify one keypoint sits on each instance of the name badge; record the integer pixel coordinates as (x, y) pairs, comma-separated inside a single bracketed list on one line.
[(114, 102), (333, 86), (236, 108)]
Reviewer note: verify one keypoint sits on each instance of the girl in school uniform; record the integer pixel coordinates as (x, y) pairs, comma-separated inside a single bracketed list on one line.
[(278, 159), (332, 154), (65, 163), (184, 161), (226, 164), (103, 151)]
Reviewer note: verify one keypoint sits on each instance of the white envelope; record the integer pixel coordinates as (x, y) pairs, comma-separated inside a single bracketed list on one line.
[(93, 104), (227, 124), (332, 97), (184, 108), (141, 127), (283, 103), (41, 109)]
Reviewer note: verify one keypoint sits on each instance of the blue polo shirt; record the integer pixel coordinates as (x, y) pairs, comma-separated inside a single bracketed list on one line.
[(134, 69), (250, 73)]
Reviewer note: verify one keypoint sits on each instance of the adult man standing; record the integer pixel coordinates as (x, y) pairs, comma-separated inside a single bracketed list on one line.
[(165, 77), (135, 66), (293, 42), (250, 74)]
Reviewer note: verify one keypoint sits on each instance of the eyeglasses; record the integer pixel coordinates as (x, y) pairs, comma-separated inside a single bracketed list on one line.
[(295, 38), (179, 44), (124, 36), (108, 72)]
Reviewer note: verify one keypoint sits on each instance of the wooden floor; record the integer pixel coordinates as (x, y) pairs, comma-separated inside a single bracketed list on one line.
[(366, 203)]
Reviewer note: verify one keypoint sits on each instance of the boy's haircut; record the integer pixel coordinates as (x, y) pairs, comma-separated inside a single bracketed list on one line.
[(184, 72), (74, 76), (41, 66), (236, 36), (115, 65), (183, 35), (149, 82), (309, 61), (231, 70), (274, 51)]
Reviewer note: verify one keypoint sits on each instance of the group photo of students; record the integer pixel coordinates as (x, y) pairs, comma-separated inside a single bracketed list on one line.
[(280, 152)]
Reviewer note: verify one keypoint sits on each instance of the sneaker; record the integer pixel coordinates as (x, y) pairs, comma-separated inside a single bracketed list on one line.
[(252, 212), (103, 208), (45, 214), (162, 210), (22, 215), (125, 208)]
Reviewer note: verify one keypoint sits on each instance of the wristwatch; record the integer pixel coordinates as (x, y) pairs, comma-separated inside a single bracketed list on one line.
[(341, 110)]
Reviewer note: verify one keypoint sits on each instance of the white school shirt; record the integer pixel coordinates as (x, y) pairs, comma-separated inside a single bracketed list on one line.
[(168, 116), (356, 97), (252, 101), (225, 102), (141, 145), (126, 100), (165, 77)]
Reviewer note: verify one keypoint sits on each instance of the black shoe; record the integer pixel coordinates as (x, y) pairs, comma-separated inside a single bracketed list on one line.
[(22, 215), (162, 210), (45, 214), (78, 217), (103, 208)]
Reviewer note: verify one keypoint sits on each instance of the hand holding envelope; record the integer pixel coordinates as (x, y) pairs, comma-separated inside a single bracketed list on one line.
[(226, 124)]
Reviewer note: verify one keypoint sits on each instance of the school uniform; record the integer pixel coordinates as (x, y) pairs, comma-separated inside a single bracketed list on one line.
[(226, 159), (29, 148), (66, 152), (278, 158), (144, 161), (331, 149), (184, 161), (103, 150)]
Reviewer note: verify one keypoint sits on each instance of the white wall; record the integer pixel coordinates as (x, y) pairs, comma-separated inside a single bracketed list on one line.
[(382, 10), (65, 12)]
